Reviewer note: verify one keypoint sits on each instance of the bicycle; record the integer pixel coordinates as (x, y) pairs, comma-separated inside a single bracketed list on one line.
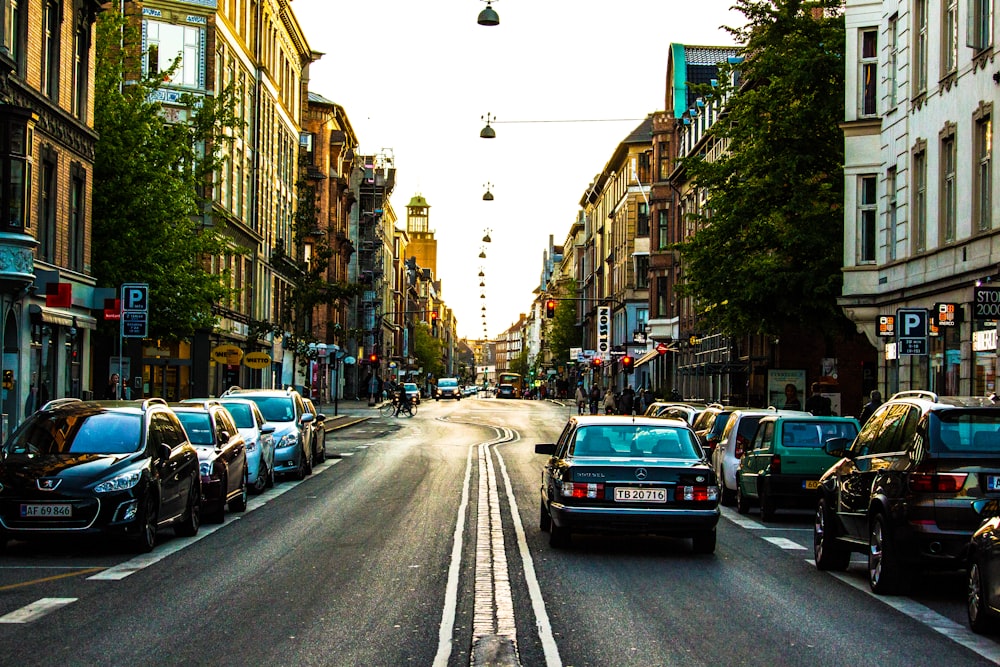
[(392, 408)]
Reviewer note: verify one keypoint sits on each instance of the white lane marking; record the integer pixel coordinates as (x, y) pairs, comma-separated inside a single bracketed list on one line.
[(784, 543), (959, 634), (35, 610), (549, 647), (129, 567), (447, 626), (494, 605)]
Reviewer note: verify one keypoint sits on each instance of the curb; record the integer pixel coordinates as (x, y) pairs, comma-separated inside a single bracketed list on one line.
[(346, 421)]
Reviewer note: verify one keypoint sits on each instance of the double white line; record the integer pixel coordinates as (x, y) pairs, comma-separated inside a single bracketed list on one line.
[(494, 631)]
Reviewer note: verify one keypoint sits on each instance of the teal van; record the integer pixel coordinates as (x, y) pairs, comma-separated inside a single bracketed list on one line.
[(782, 466)]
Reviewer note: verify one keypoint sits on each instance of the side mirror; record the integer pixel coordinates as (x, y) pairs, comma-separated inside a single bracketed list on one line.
[(546, 448), (307, 417), (267, 428), (164, 451), (839, 447)]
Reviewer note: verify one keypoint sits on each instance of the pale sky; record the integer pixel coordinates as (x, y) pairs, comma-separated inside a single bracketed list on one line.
[(415, 78)]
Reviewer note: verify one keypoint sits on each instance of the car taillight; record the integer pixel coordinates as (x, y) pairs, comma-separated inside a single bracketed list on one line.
[(582, 490), (741, 442), (937, 482), (696, 493), (776, 465)]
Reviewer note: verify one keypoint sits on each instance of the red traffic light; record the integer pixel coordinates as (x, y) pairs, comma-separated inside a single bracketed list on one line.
[(434, 314), (373, 358), (627, 362), (597, 362), (550, 308)]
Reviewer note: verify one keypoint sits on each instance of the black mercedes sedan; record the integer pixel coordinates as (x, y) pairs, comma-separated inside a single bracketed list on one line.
[(622, 474), (115, 468)]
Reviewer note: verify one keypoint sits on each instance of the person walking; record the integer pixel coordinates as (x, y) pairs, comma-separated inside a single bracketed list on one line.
[(595, 398), (875, 400), (627, 401), (581, 398), (609, 402), (817, 403)]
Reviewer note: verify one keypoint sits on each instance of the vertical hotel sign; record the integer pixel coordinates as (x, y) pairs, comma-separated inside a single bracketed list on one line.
[(603, 331)]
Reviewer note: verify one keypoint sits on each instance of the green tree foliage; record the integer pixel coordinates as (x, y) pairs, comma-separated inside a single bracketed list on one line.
[(519, 365), (427, 349), (769, 246), (149, 176), (563, 332)]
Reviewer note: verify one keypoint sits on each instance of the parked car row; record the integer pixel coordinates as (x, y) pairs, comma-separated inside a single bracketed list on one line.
[(126, 469)]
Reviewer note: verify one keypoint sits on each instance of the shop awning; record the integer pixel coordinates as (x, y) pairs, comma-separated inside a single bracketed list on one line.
[(649, 356), (62, 317)]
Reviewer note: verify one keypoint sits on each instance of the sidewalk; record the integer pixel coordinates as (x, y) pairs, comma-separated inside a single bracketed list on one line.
[(349, 413)]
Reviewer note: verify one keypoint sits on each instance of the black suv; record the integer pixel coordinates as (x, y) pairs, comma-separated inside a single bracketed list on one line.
[(903, 491), (121, 468)]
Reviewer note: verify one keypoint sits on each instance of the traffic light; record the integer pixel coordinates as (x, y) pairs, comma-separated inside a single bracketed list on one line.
[(373, 358), (550, 308), (597, 362), (434, 316), (627, 362)]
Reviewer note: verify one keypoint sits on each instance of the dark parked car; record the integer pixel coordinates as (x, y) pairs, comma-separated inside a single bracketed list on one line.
[(622, 474), (984, 569), (506, 391), (903, 491), (710, 424), (119, 468), (222, 456)]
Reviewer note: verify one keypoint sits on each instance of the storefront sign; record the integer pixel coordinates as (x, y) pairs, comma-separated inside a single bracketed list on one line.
[(603, 330), (887, 326), (947, 314), (986, 303), (257, 360), (227, 354)]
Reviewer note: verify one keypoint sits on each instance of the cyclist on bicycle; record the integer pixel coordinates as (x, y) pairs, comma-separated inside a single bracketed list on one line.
[(403, 402)]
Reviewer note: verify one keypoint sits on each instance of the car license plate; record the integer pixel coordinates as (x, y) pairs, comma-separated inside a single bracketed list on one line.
[(810, 484), (629, 494), (56, 511), (993, 482)]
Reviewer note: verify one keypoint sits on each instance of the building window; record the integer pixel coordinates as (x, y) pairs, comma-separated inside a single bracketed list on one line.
[(662, 229), (868, 75), (947, 197), (15, 31), (949, 37), (919, 197), (891, 214), (77, 218), (982, 184), (51, 23), (920, 47), (16, 149), (663, 169), (893, 62), (661, 298), (980, 28), (641, 271), (47, 208), (867, 218), (81, 68), (642, 221), (167, 43)]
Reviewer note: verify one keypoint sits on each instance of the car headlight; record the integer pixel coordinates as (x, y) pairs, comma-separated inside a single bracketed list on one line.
[(206, 468), (288, 440), (120, 483)]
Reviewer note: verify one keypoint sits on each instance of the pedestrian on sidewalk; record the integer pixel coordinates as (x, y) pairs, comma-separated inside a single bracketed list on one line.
[(595, 398), (609, 402), (581, 398)]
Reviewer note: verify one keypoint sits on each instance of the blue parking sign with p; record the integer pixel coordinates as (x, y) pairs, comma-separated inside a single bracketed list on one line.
[(912, 328), (135, 296)]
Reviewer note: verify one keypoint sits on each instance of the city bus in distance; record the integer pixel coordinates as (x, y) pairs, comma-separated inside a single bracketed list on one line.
[(514, 380)]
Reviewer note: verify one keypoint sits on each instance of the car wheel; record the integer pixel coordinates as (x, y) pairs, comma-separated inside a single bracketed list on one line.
[(322, 451), (981, 618), (886, 574), (239, 503), (767, 508), (189, 525), (300, 470), (146, 539), (703, 543), (826, 553), (309, 461), (559, 537), (260, 483), (742, 502), (270, 476), (216, 514), (544, 520)]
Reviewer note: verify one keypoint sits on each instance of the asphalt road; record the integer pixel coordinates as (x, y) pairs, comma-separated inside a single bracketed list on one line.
[(419, 545)]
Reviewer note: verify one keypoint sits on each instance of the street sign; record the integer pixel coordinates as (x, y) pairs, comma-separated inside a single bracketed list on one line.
[(913, 328), (661, 348), (887, 326), (986, 303), (135, 310)]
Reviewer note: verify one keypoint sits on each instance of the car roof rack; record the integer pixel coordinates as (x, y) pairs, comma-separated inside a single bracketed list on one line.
[(916, 393), (156, 400), (59, 402)]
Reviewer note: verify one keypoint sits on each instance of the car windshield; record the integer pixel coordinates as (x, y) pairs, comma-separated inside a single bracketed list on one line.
[(198, 426), (816, 433), (275, 408), (78, 433), (973, 432), (409, 386), (628, 441), (447, 383), (242, 414)]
